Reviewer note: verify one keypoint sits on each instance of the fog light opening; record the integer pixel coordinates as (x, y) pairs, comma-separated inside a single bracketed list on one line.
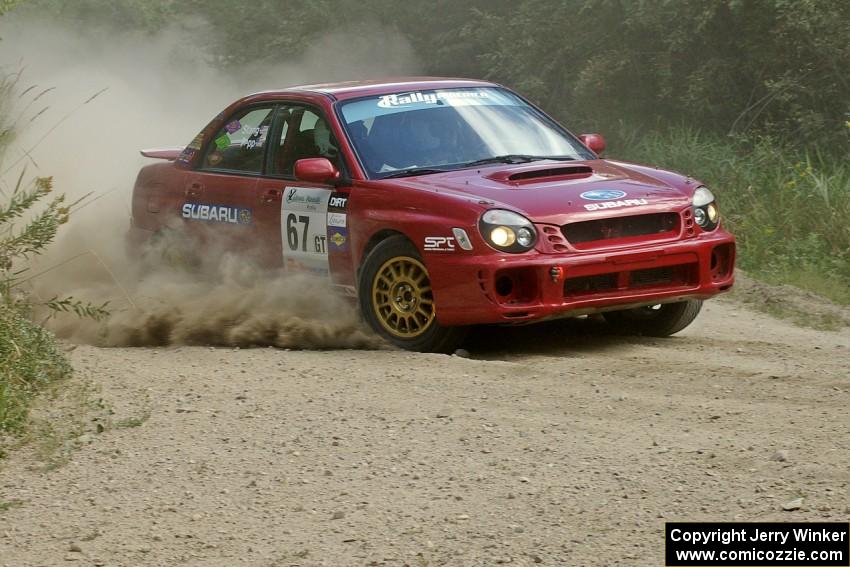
[(721, 262), (504, 286)]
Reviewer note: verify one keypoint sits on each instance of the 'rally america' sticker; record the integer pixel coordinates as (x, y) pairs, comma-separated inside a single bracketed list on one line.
[(393, 100)]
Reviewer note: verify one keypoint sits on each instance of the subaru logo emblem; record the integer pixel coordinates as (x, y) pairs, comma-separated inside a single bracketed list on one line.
[(603, 195)]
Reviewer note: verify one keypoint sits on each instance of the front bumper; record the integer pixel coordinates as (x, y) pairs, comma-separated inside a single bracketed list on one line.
[(504, 288)]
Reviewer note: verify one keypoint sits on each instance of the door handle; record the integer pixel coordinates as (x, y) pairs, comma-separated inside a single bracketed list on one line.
[(194, 190), (272, 195)]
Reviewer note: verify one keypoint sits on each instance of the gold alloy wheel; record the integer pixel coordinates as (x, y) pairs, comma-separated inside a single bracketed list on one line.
[(401, 297)]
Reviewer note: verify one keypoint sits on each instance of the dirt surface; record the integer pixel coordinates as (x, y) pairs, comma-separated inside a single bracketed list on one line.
[(553, 445)]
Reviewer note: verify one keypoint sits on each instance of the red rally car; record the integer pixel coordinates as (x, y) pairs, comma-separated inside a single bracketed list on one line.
[(442, 204)]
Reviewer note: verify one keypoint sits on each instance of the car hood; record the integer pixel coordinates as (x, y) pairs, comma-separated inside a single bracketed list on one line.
[(561, 192)]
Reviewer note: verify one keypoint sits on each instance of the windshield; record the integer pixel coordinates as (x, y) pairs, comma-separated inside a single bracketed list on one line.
[(435, 130)]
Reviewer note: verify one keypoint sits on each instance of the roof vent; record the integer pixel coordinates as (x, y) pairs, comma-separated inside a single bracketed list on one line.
[(560, 171)]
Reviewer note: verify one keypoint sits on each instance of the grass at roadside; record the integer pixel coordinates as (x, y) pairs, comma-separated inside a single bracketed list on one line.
[(29, 361), (64, 417), (789, 209)]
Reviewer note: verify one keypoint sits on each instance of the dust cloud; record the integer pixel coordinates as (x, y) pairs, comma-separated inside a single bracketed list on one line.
[(237, 306), (88, 105)]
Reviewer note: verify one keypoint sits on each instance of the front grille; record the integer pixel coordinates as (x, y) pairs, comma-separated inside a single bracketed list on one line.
[(682, 275), (590, 284), (621, 227), (654, 276)]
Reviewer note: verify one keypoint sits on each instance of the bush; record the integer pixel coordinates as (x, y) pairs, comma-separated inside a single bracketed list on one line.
[(29, 356), (29, 361)]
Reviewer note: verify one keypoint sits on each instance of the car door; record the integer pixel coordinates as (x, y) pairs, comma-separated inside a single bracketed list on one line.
[(313, 216), (224, 205)]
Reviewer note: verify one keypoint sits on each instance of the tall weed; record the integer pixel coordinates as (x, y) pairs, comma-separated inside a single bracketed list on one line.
[(30, 217)]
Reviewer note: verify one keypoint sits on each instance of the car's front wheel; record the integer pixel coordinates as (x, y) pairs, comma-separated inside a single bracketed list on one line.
[(655, 320), (397, 301)]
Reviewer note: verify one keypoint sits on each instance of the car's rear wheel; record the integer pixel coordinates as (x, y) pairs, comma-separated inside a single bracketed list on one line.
[(397, 300), (660, 320)]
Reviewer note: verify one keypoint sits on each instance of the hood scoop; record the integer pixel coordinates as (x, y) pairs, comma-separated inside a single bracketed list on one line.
[(531, 174), (560, 171)]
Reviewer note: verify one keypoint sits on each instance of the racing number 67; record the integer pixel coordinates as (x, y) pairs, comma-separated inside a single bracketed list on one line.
[(292, 232)]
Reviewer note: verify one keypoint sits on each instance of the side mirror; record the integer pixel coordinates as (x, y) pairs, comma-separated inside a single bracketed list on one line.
[(316, 170), (595, 142)]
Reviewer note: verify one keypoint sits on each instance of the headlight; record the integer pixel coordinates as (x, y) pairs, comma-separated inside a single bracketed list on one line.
[(706, 213), (507, 231), (702, 197)]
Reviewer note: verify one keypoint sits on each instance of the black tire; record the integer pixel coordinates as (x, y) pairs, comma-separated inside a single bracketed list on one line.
[(429, 335), (656, 320)]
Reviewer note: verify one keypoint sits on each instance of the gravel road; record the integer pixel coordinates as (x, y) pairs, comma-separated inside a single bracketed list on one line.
[(554, 445)]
